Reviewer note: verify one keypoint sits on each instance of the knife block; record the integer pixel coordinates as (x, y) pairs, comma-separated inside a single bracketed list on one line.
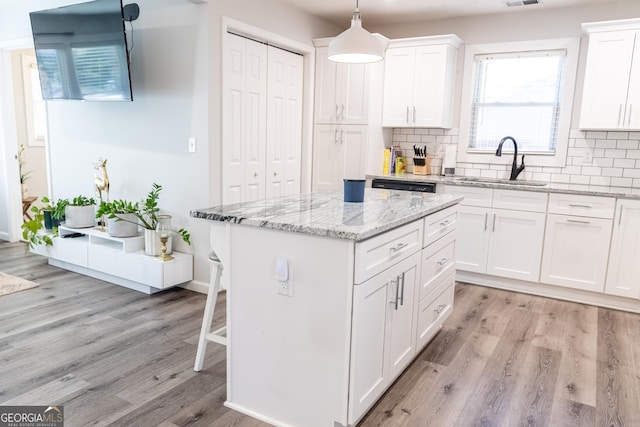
[(422, 169)]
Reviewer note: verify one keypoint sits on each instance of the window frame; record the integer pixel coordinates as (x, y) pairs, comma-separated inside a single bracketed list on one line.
[(557, 159)]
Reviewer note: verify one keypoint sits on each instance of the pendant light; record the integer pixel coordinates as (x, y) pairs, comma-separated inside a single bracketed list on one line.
[(356, 45)]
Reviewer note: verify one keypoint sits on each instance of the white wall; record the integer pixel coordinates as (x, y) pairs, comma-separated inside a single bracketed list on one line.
[(176, 78)]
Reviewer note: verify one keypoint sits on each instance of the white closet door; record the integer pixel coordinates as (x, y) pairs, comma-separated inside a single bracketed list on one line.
[(244, 120), (284, 122)]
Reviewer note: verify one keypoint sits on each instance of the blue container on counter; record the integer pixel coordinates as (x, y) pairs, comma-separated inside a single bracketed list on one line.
[(354, 190)]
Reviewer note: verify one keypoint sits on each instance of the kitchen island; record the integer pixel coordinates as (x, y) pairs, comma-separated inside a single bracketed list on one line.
[(329, 301)]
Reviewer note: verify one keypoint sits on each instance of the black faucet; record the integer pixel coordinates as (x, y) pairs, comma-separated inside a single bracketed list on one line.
[(515, 169)]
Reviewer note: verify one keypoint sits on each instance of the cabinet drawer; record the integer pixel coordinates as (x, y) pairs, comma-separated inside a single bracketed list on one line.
[(579, 205), (440, 224), (438, 261), (473, 196), (516, 200), (381, 252), (433, 312)]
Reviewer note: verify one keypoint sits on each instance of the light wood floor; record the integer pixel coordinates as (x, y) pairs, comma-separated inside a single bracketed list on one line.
[(117, 357)]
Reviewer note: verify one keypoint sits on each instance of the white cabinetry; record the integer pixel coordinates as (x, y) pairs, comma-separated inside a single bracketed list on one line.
[(611, 94), (577, 239), (419, 80), (342, 95), (623, 274), (348, 137), (121, 261), (402, 296), (500, 232)]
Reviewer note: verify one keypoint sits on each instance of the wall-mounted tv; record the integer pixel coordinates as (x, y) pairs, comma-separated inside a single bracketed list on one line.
[(82, 52)]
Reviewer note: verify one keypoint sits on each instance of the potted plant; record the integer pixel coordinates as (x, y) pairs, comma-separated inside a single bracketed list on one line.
[(46, 217), (53, 212), (122, 219), (148, 214), (80, 212)]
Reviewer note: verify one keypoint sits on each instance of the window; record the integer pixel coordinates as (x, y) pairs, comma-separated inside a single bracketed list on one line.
[(523, 90), (517, 93)]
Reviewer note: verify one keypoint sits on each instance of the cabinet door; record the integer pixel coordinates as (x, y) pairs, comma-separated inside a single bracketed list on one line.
[(328, 162), (432, 84), (606, 79), (353, 146), (515, 245), (472, 239), (284, 122), (326, 108), (623, 276), (633, 97), (401, 340), (398, 87), (244, 133), (575, 252), (370, 304), (352, 94)]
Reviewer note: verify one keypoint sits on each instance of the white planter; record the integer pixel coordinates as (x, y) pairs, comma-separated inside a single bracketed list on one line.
[(126, 227), (80, 216), (153, 245)]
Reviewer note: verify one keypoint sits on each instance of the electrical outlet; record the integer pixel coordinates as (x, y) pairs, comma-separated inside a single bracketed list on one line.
[(192, 145), (285, 288), (587, 156)]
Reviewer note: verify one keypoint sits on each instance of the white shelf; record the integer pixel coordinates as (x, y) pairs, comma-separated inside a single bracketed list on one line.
[(118, 260)]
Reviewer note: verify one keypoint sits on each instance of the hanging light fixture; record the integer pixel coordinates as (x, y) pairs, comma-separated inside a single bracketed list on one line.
[(356, 45)]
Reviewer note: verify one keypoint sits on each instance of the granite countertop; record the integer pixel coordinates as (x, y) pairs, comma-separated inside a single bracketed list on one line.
[(544, 187), (326, 214)]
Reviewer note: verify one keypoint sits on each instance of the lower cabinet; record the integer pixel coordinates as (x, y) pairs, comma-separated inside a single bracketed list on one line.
[(623, 274), (383, 331), (576, 251), (500, 242)]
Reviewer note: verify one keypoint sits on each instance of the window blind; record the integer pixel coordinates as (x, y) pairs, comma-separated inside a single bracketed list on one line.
[(517, 94)]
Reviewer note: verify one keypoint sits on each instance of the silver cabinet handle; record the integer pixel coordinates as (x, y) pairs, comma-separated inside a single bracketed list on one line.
[(337, 115), (440, 308), (619, 114), (494, 222), (407, 114), (398, 247), (335, 137), (620, 217), (342, 112), (445, 223), (486, 217), (414, 114), (402, 292), (576, 221), (255, 174), (629, 120), (397, 283), (275, 174), (443, 261), (573, 205), (341, 136)]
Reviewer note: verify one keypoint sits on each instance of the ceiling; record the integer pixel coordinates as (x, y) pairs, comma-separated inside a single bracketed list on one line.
[(379, 12)]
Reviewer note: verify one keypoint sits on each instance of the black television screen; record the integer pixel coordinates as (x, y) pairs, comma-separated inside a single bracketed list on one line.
[(82, 52)]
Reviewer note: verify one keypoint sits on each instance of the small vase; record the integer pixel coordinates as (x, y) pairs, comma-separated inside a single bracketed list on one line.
[(153, 245), (49, 221)]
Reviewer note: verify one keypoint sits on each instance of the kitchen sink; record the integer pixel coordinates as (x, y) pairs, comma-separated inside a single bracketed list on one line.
[(500, 181)]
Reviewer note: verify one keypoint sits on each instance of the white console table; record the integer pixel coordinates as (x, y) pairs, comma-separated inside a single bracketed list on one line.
[(121, 261)]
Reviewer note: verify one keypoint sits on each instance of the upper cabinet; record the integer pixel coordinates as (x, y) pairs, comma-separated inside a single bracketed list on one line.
[(419, 81), (342, 95), (611, 94)]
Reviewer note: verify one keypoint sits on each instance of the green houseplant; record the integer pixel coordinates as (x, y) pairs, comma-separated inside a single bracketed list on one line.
[(122, 218), (148, 214), (80, 212), (48, 216)]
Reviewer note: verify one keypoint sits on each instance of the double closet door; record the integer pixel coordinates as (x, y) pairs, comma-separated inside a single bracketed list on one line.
[(261, 121)]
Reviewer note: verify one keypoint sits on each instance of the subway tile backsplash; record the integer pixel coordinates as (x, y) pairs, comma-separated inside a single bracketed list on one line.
[(595, 158)]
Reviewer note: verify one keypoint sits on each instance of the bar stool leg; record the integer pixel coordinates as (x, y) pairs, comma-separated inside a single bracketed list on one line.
[(210, 306)]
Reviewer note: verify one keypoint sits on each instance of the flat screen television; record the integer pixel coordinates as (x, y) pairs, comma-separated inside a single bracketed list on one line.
[(82, 52)]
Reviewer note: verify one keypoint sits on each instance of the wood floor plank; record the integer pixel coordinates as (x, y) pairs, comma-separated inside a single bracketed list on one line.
[(116, 357)]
